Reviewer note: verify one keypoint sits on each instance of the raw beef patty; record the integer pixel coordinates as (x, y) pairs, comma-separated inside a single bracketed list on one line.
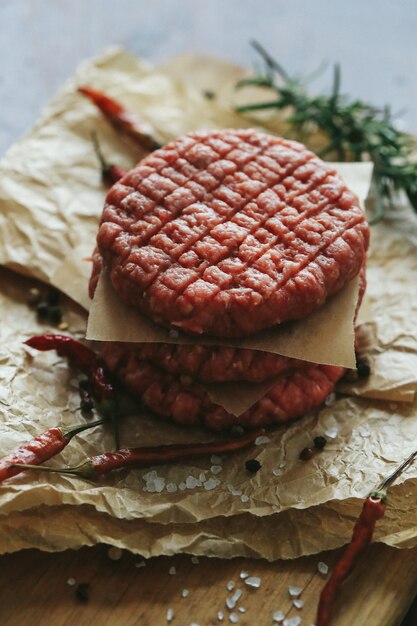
[(292, 395), (229, 232)]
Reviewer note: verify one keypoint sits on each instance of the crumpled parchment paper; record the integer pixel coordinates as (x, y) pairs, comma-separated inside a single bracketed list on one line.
[(287, 509)]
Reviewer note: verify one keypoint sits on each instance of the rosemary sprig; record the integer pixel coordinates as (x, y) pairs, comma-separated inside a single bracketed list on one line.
[(356, 131)]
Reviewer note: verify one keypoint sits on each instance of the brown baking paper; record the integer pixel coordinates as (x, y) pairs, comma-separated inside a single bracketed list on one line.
[(209, 506)]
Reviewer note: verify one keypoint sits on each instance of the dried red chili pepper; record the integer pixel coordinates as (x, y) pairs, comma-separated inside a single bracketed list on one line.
[(373, 509), (79, 355), (40, 449), (122, 120), (107, 462), (110, 173)]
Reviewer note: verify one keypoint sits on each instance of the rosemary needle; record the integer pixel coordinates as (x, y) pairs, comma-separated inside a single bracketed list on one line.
[(355, 130)]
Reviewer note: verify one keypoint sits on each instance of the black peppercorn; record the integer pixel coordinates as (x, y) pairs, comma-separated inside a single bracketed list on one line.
[(319, 442), (53, 296), (42, 311), (55, 315), (306, 454), (252, 465), (82, 593), (363, 368)]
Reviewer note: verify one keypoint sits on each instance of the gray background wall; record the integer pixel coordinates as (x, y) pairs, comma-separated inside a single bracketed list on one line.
[(41, 42)]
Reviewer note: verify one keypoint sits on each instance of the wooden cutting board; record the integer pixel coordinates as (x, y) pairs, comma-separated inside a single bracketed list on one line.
[(34, 590)]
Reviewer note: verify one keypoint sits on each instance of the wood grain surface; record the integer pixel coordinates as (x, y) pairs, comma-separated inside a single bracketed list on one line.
[(34, 590)]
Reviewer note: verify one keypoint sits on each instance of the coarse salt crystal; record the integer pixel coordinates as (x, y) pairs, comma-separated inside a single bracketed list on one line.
[(278, 616), (234, 491), (170, 615), (216, 469), (244, 498), (220, 616), (171, 487), (242, 609), (159, 485), (184, 593), (234, 618), (230, 585), (330, 400), (231, 602), (172, 570), (323, 568), (202, 477), (292, 621), (253, 581), (71, 582), (182, 486), (191, 482), (259, 441), (211, 483), (194, 560), (332, 433), (294, 591), (114, 553), (298, 603), (244, 574), (140, 564)]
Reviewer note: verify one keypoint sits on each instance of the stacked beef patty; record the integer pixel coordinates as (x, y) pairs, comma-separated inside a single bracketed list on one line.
[(227, 233)]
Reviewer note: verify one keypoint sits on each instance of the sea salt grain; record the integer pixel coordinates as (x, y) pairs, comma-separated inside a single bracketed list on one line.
[(278, 616), (140, 564), (298, 603), (191, 482), (244, 498), (242, 609), (182, 486), (323, 568), (259, 441), (231, 602), (292, 621), (220, 616), (234, 618), (216, 469), (202, 477), (71, 582), (244, 574), (194, 560), (230, 585), (330, 400), (184, 593), (332, 433), (294, 591), (253, 581), (170, 615), (211, 483), (172, 570), (171, 487)]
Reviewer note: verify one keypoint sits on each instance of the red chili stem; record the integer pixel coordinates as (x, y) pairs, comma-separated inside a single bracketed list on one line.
[(110, 173), (107, 462), (40, 449), (121, 119), (373, 510), (81, 357)]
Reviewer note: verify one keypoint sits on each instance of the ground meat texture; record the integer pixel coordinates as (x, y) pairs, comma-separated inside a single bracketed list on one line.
[(295, 393), (229, 232), (213, 363)]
